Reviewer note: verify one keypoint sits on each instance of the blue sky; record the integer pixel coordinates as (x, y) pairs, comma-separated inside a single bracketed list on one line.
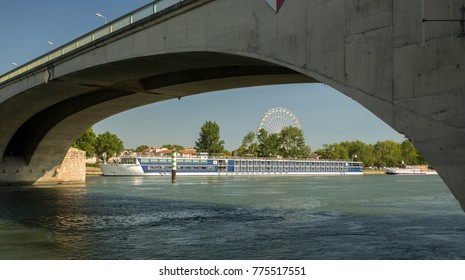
[(326, 116)]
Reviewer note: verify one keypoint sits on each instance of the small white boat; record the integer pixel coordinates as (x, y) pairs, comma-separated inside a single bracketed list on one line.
[(409, 171)]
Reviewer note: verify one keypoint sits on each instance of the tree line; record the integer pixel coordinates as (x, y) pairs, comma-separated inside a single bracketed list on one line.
[(386, 153), (104, 145), (288, 143)]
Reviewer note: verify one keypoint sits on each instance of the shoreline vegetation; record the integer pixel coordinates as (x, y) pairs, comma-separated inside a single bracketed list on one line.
[(289, 143)]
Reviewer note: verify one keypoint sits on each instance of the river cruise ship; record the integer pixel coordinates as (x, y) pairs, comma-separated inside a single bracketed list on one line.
[(160, 166)]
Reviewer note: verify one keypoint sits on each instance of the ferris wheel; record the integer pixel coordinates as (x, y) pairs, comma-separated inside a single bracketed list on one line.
[(274, 120)]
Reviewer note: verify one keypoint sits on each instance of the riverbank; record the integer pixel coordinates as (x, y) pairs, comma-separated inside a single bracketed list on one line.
[(93, 171), (373, 172)]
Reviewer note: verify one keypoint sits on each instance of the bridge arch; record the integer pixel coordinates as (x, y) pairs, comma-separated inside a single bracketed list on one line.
[(369, 50)]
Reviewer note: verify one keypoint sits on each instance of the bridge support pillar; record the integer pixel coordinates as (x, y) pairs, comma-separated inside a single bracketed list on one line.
[(72, 170)]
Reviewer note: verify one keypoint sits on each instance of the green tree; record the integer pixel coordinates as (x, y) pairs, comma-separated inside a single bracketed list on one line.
[(293, 143), (173, 147), (383, 153), (141, 148), (108, 145), (226, 153), (290, 142), (359, 151), (410, 155), (248, 147), (209, 139), (387, 153), (333, 151), (86, 142), (268, 144)]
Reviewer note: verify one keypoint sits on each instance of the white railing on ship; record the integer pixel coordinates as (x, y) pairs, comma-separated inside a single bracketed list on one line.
[(126, 20)]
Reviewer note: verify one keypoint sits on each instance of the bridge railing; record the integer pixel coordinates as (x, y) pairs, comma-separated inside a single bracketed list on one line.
[(119, 23)]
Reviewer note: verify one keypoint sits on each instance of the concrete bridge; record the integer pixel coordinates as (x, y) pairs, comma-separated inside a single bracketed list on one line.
[(407, 71)]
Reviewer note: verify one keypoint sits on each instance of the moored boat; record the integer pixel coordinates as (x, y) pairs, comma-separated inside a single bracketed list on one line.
[(160, 166), (409, 171)]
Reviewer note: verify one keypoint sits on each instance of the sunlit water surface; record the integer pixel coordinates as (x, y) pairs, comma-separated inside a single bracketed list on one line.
[(347, 217)]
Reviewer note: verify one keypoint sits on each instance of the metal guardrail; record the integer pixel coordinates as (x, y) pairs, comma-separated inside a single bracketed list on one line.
[(119, 23)]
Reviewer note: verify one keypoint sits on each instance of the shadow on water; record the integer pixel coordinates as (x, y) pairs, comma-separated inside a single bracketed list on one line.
[(142, 218)]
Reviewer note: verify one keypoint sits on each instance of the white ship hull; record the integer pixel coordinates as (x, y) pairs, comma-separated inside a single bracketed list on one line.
[(408, 171)]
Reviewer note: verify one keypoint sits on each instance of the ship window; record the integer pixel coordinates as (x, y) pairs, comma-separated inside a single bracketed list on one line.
[(144, 160), (236, 162), (210, 168), (128, 161)]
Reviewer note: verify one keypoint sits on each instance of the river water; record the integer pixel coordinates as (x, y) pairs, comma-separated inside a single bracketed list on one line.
[(346, 217)]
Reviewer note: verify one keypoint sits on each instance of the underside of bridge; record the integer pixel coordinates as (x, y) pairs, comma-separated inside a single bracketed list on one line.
[(50, 116)]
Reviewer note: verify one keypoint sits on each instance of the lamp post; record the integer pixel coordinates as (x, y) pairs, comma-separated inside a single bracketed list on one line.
[(100, 16)]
